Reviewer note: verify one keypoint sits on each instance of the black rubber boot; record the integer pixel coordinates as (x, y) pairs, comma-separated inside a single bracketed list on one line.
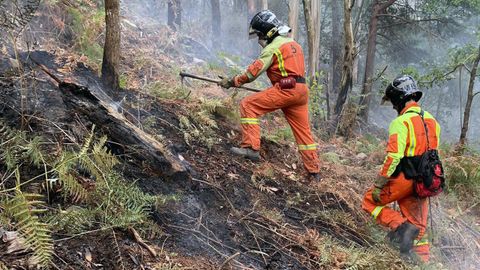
[(246, 152), (404, 236), (315, 177)]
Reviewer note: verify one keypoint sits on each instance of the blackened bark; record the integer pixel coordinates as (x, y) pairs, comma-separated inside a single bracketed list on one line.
[(111, 50), (174, 14), (349, 56), (336, 46)]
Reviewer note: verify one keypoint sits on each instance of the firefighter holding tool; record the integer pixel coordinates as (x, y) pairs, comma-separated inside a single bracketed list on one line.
[(283, 60)]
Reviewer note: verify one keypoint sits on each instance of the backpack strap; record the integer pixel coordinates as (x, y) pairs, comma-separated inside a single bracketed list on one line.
[(422, 113)]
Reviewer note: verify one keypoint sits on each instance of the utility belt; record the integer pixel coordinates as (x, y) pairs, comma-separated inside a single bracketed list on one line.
[(290, 82)]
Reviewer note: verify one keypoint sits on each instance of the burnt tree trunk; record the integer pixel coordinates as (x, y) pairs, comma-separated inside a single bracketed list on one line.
[(348, 59), (111, 50), (378, 8), (80, 100), (174, 14), (336, 47), (216, 24), (470, 96)]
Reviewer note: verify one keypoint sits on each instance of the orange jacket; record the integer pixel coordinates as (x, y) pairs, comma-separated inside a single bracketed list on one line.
[(407, 137), (283, 57)]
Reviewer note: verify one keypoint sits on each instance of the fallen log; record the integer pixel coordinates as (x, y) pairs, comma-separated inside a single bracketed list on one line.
[(82, 101)]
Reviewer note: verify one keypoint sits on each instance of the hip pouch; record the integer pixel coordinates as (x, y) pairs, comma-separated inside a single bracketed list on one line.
[(287, 83)]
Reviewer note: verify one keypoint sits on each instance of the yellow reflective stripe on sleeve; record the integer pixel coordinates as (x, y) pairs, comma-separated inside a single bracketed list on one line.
[(281, 63), (303, 147), (251, 121), (438, 129), (413, 139), (377, 211)]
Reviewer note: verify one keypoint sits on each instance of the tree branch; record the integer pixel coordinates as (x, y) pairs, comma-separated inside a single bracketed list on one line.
[(475, 94), (444, 75), (387, 4), (442, 20)]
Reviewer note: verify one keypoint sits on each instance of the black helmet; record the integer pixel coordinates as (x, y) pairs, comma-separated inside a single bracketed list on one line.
[(264, 24), (401, 90)]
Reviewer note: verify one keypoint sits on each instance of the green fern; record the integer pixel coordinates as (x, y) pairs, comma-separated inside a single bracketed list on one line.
[(23, 208), (73, 220), (124, 204), (34, 152), (15, 148), (67, 177)]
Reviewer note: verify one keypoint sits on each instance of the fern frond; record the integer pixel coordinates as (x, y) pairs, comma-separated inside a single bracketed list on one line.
[(118, 255), (10, 157), (23, 209), (87, 143), (102, 157), (73, 220), (34, 152), (125, 204), (66, 176)]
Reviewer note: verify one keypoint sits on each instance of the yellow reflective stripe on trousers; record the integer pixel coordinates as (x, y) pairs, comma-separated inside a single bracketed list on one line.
[(422, 241), (377, 211), (281, 63), (303, 147), (251, 121)]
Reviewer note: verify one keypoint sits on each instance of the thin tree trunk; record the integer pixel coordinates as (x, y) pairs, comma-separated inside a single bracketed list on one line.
[(253, 48), (216, 24), (111, 50), (470, 96), (366, 97), (460, 95), (336, 47), (293, 17), (252, 7), (174, 14), (348, 58), (312, 11), (264, 4)]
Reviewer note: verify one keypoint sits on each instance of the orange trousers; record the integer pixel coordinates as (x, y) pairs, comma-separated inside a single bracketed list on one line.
[(412, 209), (294, 104)]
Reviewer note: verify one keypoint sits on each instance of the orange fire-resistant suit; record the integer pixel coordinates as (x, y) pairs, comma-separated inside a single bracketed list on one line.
[(282, 58), (407, 138)]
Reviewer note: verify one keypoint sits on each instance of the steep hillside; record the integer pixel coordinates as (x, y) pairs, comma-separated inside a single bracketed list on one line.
[(142, 178), (224, 212)]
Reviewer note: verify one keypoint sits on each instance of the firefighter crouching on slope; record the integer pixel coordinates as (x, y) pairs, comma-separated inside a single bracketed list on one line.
[(282, 58), (407, 138)]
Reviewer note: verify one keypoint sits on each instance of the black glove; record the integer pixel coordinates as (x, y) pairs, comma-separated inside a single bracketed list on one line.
[(226, 83)]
